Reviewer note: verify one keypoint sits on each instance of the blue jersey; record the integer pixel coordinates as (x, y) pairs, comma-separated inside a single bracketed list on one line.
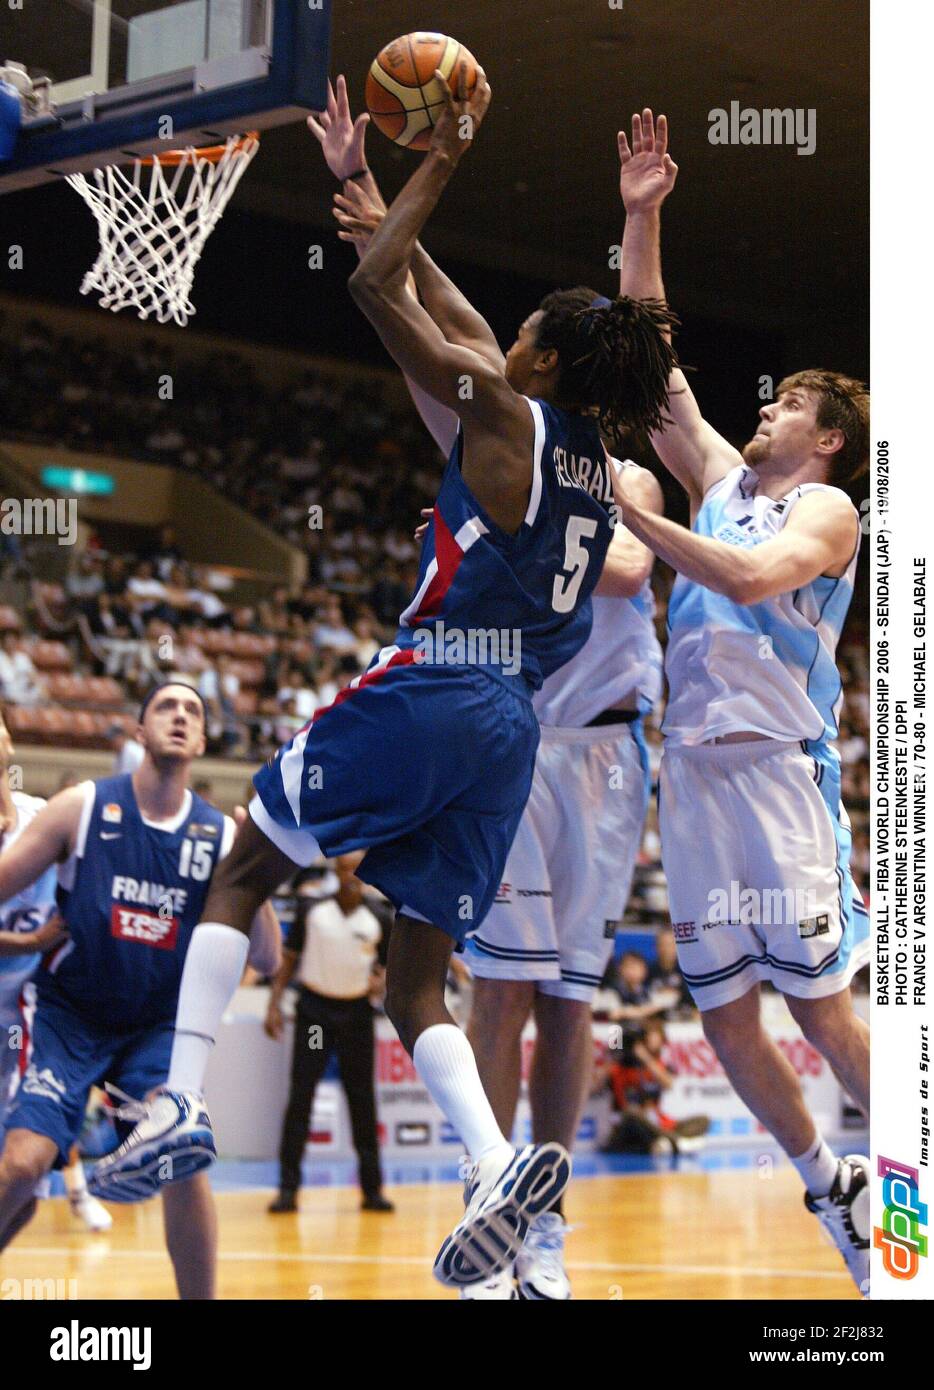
[(135, 899), (520, 602)]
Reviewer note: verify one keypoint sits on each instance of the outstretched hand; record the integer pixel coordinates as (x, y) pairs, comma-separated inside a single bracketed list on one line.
[(341, 137), (463, 113), (358, 214), (647, 172)]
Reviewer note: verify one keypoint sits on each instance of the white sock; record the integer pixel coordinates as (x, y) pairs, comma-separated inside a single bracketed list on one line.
[(818, 1168), (445, 1062), (76, 1184), (213, 970)]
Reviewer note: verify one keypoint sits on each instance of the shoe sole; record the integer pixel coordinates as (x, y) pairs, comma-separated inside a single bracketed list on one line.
[(475, 1252), (529, 1293), (141, 1182)]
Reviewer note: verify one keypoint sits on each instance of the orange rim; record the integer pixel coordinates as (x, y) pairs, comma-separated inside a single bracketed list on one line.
[(210, 152)]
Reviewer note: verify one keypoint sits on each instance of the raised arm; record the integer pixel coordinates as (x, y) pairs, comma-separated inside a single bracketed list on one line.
[(818, 539), (359, 215), (360, 209), (689, 447), (494, 416), (48, 839), (629, 561)]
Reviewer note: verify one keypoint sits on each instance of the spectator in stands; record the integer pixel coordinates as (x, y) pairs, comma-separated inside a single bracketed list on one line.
[(204, 601), (85, 580), (665, 981), (190, 659), (629, 982), (274, 615), (331, 630), (128, 754), (219, 687), (367, 644), (638, 1079), (20, 682), (11, 556), (288, 721), (146, 593), (306, 602), (327, 679), (298, 697), (166, 553)]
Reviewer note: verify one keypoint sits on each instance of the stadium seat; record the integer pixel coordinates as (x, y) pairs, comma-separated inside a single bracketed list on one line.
[(49, 656)]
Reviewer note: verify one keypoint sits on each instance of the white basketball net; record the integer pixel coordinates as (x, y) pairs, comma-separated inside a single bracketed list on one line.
[(153, 223)]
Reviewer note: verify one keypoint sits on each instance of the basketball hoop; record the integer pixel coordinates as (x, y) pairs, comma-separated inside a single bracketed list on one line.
[(152, 231)]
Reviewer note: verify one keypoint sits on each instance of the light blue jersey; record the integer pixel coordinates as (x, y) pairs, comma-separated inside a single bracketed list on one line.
[(26, 911), (769, 667)]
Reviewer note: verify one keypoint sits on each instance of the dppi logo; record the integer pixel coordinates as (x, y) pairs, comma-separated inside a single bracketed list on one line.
[(899, 1237)]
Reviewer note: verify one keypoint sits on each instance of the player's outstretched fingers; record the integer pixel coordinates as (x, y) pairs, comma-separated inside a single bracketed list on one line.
[(661, 135), (482, 94), (622, 145), (449, 99), (343, 104), (648, 129)]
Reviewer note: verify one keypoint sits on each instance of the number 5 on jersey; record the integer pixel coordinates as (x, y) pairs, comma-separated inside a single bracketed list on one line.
[(576, 558)]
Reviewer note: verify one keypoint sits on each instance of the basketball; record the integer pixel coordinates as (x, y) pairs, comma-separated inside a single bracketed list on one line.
[(403, 96)]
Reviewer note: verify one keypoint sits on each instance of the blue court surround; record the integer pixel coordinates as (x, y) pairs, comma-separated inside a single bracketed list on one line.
[(231, 1176)]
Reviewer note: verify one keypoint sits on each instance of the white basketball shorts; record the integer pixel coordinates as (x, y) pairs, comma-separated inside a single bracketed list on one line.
[(756, 851), (569, 870)]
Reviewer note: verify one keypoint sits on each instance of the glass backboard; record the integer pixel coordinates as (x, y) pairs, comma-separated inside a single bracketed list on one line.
[(123, 73)]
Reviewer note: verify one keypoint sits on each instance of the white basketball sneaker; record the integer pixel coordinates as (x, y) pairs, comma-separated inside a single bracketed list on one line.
[(90, 1211), (540, 1271), (502, 1198), (844, 1215), (172, 1141), (501, 1287)]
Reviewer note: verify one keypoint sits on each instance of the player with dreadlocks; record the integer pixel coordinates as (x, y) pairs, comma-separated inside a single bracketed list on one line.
[(426, 760)]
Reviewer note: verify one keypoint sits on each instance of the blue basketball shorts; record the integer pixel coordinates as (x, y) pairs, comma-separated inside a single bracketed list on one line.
[(427, 768), (64, 1054)]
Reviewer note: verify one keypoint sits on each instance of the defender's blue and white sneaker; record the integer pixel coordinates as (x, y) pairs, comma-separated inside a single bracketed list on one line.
[(540, 1271), (173, 1140), (501, 1201)]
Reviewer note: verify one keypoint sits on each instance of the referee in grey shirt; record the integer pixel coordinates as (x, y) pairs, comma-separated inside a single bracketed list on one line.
[(334, 944)]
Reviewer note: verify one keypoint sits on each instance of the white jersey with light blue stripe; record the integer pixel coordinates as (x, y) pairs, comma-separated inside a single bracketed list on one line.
[(767, 667), (28, 910), (618, 667)]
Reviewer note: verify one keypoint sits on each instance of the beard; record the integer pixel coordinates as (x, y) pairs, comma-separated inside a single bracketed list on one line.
[(756, 452)]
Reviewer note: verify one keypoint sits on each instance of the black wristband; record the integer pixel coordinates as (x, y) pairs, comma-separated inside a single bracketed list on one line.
[(360, 174)]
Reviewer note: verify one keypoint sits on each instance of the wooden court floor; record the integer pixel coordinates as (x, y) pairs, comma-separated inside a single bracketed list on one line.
[(656, 1236)]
